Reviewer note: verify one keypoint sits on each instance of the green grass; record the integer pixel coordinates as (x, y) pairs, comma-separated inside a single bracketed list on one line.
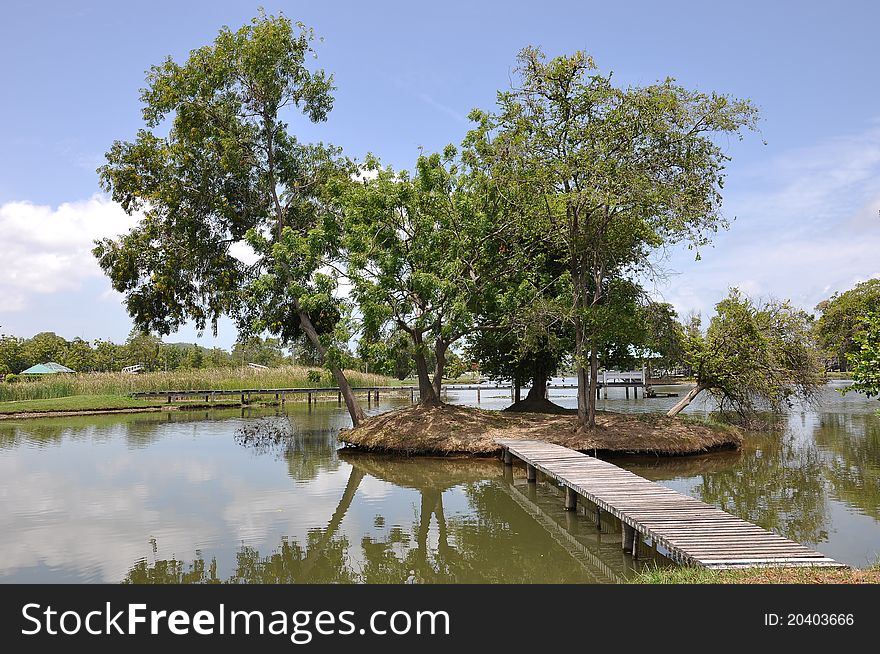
[(115, 383), (77, 403), (690, 575)]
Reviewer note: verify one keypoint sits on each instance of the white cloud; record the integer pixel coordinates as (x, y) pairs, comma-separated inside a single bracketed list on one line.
[(46, 250), (807, 226)]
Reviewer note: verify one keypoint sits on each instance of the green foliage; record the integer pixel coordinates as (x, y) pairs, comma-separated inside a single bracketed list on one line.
[(227, 172), (11, 378), (754, 356), (841, 321), (263, 351), (416, 249), (607, 174), (314, 376), (865, 362)]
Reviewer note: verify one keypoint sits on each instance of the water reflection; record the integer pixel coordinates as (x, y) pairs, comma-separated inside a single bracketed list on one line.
[(851, 444), (174, 498), (498, 541)]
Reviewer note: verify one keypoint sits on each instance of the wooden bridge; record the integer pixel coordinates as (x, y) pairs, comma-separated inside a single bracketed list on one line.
[(610, 379), (688, 531), (280, 394)]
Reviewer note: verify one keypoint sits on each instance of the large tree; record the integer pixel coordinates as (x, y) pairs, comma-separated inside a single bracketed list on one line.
[(842, 319), (611, 173), (752, 357), (416, 249), (216, 166), (865, 361)]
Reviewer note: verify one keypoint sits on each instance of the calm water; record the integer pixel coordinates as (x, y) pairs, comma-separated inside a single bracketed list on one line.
[(178, 497)]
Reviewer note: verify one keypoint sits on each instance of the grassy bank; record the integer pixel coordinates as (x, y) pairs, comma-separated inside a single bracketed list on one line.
[(452, 429), (77, 403), (116, 384), (687, 575)]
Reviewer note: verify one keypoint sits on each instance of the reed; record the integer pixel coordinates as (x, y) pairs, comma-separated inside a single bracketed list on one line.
[(116, 383)]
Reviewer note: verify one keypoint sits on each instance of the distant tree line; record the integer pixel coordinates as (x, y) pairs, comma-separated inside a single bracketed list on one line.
[(17, 354)]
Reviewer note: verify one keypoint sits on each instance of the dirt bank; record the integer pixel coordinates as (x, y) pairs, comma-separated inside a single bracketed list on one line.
[(448, 430)]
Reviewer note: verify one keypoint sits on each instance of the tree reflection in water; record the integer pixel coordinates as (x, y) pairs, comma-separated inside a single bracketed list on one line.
[(494, 542), (851, 444)]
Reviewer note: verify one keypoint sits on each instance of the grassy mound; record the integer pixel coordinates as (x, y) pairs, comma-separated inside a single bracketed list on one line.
[(448, 430)]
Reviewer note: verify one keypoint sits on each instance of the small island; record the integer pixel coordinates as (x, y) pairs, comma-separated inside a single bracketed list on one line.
[(448, 430)]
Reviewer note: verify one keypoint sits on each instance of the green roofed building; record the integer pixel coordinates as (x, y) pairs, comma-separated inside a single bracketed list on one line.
[(50, 368)]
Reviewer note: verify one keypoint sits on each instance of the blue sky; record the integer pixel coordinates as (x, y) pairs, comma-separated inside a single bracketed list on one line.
[(807, 204)]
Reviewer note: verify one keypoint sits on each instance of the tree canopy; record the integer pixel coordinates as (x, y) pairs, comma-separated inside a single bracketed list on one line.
[(609, 173), (865, 361), (842, 320), (530, 244), (753, 356), (228, 171)]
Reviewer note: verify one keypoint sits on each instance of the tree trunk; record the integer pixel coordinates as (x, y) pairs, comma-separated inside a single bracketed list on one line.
[(687, 399), (517, 389), (538, 391), (581, 373), (594, 385), (440, 347), (354, 409), (427, 396)]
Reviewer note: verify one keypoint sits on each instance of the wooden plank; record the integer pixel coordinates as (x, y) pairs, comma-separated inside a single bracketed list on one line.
[(690, 530)]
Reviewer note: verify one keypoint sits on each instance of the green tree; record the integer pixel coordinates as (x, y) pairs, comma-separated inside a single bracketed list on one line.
[(191, 357), (609, 173), (262, 351), (219, 358), (752, 356), (79, 356), (144, 349), (388, 353), (664, 347), (229, 172), (865, 362), (12, 355), (413, 247), (842, 319), (44, 347)]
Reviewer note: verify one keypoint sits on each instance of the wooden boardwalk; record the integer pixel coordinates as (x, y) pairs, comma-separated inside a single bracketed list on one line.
[(279, 393), (690, 531)]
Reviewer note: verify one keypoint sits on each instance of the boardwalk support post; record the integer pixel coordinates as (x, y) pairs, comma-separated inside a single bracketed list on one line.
[(339, 399), (629, 539), (684, 528), (571, 499), (478, 396), (531, 473), (508, 457), (598, 517)]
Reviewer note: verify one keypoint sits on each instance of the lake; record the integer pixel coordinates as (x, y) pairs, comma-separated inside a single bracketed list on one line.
[(184, 497)]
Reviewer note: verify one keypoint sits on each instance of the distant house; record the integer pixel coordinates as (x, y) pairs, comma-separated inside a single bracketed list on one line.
[(50, 368)]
